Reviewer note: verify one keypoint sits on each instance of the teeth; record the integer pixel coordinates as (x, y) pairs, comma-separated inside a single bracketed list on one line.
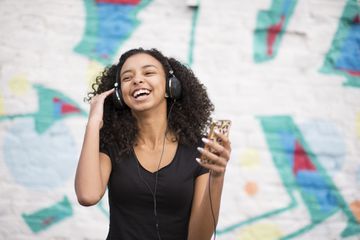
[(141, 91)]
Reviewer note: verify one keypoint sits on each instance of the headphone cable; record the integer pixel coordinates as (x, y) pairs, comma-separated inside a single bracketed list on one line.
[(153, 193)]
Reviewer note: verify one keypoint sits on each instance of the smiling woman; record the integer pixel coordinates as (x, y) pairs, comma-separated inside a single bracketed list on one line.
[(142, 144)]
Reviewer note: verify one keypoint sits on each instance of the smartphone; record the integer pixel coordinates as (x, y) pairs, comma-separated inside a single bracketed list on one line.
[(223, 127)]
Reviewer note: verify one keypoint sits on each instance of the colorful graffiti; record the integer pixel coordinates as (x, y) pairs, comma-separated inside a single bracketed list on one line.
[(44, 218), (53, 106), (343, 57), (108, 24), (302, 173), (32, 147), (270, 28)]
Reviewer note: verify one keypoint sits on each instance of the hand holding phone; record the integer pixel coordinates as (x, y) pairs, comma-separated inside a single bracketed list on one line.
[(221, 126)]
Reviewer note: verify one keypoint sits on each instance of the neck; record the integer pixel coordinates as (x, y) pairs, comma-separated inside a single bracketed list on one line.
[(152, 128)]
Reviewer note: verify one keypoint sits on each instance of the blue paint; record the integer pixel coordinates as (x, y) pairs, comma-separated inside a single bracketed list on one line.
[(40, 161), (116, 22), (286, 7), (313, 184), (350, 52), (57, 109), (288, 143), (326, 143)]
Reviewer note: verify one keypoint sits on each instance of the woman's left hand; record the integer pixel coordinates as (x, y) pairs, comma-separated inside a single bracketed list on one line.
[(217, 156)]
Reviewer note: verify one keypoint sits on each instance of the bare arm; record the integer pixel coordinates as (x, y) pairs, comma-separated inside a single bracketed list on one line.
[(93, 170), (207, 195)]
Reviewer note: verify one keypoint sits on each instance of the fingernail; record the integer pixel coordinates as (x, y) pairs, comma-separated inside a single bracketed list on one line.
[(205, 140), (198, 160), (200, 149)]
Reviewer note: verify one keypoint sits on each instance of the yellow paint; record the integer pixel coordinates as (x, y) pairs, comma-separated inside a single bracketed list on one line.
[(251, 188), (19, 85), (94, 70), (260, 231), (250, 158), (358, 124)]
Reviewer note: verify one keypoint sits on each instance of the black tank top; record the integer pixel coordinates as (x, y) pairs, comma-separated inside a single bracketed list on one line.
[(131, 202)]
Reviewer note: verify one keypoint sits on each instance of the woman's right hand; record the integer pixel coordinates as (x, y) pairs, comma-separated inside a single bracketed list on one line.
[(97, 108)]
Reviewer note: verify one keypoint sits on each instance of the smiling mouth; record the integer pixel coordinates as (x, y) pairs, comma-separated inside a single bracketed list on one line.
[(141, 92)]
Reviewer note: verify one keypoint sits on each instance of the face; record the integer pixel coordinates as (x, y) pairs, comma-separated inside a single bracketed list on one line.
[(143, 82)]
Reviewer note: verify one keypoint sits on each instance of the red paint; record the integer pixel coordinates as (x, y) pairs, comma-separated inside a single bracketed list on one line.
[(68, 108), (356, 19), (350, 72), (301, 160), (48, 221), (272, 32), (131, 2)]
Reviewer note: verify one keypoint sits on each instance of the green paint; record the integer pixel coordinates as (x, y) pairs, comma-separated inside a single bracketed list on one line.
[(194, 21), (90, 37), (258, 218), (45, 117), (267, 18), (351, 9), (274, 125), (44, 218)]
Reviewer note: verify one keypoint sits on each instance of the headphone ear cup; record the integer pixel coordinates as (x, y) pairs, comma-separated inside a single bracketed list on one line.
[(117, 97), (173, 88)]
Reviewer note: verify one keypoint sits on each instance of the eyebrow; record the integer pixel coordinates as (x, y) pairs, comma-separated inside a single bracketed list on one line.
[(145, 66)]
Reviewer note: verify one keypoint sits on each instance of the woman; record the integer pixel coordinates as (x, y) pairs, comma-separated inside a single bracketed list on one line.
[(144, 143)]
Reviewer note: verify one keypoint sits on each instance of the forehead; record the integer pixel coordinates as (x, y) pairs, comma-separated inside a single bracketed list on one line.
[(139, 60)]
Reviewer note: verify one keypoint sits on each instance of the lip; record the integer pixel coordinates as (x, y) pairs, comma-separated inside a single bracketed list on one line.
[(137, 89)]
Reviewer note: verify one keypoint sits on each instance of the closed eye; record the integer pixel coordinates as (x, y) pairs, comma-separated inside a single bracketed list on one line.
[(149, 73), (126, 79)]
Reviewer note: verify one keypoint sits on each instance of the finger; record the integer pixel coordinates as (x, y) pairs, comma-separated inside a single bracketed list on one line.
[(213, 144), (213, 167), (212, 158), (221, 150), (225, 140), (108, 92)]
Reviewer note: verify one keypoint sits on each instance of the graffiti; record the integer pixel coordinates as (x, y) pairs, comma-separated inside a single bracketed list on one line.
[(271, 26), (32, 147), (53, 106), (301, 173), (326, 143), (108, 25), (44, 218), (192, 34), (343, 57)]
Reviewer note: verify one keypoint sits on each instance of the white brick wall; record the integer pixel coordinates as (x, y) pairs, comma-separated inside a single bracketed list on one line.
[(37, 165)]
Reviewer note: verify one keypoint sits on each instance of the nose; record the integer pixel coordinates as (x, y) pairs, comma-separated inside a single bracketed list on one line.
[(138, 79)]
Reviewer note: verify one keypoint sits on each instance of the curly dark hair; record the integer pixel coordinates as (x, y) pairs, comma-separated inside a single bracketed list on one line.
[(189, 117)]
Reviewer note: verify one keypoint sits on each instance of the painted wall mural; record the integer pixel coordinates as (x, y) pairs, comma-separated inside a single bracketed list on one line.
[(343, 57), (300, 165), (108, 24), (270, 27), (35, 157), (46, 217), (293, 168)]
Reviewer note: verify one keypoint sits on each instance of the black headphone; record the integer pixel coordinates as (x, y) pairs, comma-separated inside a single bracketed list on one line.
[(173, 87)]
